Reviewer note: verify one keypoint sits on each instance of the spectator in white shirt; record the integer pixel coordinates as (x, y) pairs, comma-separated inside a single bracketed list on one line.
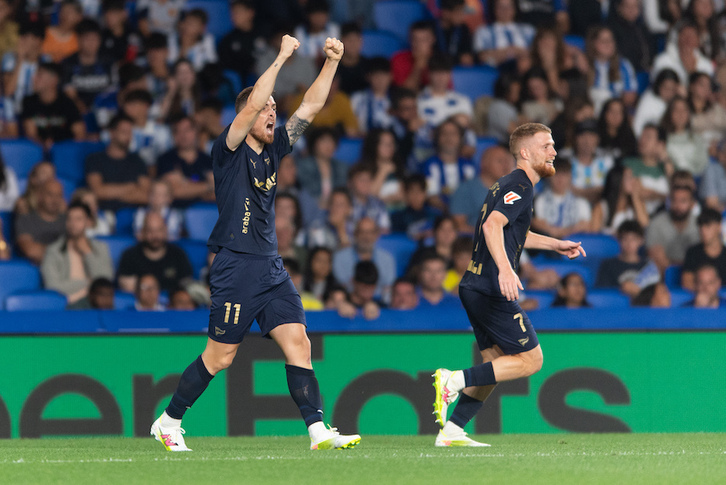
[(684, 57), (504, 40), (371, 106), (317, 28), (192, 41), (589, 167), (653, 102)]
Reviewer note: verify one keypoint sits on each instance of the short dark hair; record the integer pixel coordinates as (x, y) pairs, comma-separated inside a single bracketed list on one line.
[(88, 26), (197, 13), (314, 6), (248, 4), (439, 221), (138, 95), (77, 204), (350, 28), (52, 68), (291, 265), (378, 64), (366, 273), (319, 132), (631, 226), (422, 25), (359, 168), (99, 284), (342, 191), (118, 119), (662, 135), (128, 73), (708, 216), (242, 98), (109, 5), (415, 179), (441, 62), (406, 280), (36, 29), (156, 40), (451, 4), (431, 257), (399, 94), (563, 165), (462, 244), (215, 104)]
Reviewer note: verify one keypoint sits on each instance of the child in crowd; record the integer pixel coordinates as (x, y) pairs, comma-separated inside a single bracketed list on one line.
[(160, 201)]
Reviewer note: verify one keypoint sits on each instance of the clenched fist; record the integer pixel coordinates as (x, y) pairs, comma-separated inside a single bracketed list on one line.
[(333, 48), (288, 45)]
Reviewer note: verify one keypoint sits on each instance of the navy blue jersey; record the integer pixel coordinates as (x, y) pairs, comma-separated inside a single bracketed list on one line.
[(245, 184), (512, 195)]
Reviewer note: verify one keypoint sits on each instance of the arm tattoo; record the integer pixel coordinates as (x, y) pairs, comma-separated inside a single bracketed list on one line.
[(295, 128)]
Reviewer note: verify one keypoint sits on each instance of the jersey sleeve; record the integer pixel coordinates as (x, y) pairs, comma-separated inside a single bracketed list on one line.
[(280, 145), (512, 199)]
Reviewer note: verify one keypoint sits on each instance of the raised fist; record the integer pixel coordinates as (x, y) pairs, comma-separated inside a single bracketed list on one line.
[(333, 48), (289, 45)]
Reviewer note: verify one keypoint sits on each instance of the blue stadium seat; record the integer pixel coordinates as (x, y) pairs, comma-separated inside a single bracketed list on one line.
[(234, 78), (69, 158), (349, 150), (69, 186), (608, 299), (475, 81), (544, 298), (123, 300), (17, 276), (116, 246), (643, 81), (6, 219), (220, 21), (196, 252), (380, 43), (401, 247), (482, 143), (21, 155), (680, 297), (125, 222), (575, 41), (672, 277), (200, 220), (597, 247), (564, 267), (42, 300), (396, 16)]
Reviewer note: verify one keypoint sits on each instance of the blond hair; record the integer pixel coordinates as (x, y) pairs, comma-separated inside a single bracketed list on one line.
[(523, 132)]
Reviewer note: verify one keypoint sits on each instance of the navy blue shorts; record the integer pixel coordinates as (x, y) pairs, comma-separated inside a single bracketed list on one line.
[(245, 287), (498, 321)]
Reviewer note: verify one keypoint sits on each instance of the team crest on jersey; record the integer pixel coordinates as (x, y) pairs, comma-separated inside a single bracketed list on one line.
[(511, 197)]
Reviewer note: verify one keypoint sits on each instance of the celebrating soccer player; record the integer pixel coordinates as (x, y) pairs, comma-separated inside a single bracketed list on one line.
[(490, 287), (247, 279)]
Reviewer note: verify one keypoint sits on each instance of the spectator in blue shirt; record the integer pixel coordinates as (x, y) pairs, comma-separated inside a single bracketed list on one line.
[(417, 218), (611, 75), (431, 284), (708, 284), (365, 203)]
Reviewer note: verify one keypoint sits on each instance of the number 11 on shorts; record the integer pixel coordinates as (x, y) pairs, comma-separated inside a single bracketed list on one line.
[(237, 308)]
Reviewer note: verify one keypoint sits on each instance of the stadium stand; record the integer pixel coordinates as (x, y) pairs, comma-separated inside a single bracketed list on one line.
[(116, 246), (474, 81), (401, 247), (21, 155), (396, 16), (218, 11), (41, 300), (196, 251), (69, 158), (17, 276), (349, 150), (200, 220), (380, 43)]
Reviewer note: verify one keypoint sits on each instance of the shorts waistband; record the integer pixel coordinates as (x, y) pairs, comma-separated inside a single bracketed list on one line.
[(238, 254)]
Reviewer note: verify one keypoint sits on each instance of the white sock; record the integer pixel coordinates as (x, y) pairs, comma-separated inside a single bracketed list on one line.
[(318, 431), (456, 381), (450, 429), (169, 422)]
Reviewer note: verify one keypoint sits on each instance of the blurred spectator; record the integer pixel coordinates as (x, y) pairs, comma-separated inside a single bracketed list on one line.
[(653, 296), (672, 232), (538, 102), (41, 173), (563, 127), (159, 15), (5, 252), (184, 93), (406, 124), (461, 252), (466, 202), (447, 170), (713, 182), (160, 201), (549, 53), (8, 27), (147, 294), (403, 295), (707, 286), (20, 65), (616, 136), (410, 68), (708, 117), (286, 232), (544, 13), (431, 278), (631, 36), (503, 39), (85, 73), (354, 70), (209, 123), (191, 41), (364, 248), (150, 138), (236, 49), (651, 167), (628, 271), (417, 218), (49, 115), (557, 211), (102, 222), (365, 203), (442, 245), (362, 295), (117, 177), (318, 279), (621, 201), (287, 184), (702, 15), (379, 154), (438, 102), (686, 149), (74, 260), (337, 112), (453, 35), (40, 227), (683, 56), (610, 76), (116, 32), (180, 299), (187, 169), (710, 251), (659, 16), (571, 292), (536, 279), (589, 166), (153, 254), (501, 113), (100, 296), (9, 190), (158, 70), (316, 28), (372, 105), (309, 301), (130, 78), (61, 40), (287, 207), (655, 100), (320, 173)]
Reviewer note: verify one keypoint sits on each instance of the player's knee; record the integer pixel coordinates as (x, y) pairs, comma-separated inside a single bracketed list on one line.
[(219, 361), (533, 363)]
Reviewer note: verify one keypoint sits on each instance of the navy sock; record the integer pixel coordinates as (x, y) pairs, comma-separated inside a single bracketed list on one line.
[(305, 392), (193, 382), (480, 375), (465, 409)]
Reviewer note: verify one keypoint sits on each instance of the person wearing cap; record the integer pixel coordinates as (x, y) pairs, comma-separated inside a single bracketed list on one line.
[(589, 167)]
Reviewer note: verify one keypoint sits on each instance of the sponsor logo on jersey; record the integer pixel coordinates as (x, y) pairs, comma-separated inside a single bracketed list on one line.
[(511, 197)]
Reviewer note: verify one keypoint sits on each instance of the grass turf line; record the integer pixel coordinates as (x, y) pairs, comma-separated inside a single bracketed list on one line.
[(531, 459)]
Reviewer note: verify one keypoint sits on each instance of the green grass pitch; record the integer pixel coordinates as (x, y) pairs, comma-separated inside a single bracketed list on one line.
[(560, 459)]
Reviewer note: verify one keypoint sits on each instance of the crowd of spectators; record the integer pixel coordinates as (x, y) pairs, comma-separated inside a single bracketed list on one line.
[(633, 91)]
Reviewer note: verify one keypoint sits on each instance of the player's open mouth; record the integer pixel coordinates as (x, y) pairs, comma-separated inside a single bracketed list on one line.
[(270, 127)]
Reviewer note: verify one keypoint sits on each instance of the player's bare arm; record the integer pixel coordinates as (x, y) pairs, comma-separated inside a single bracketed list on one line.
[(493, 229), (315, 96), (260, 95), (570, 249)]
